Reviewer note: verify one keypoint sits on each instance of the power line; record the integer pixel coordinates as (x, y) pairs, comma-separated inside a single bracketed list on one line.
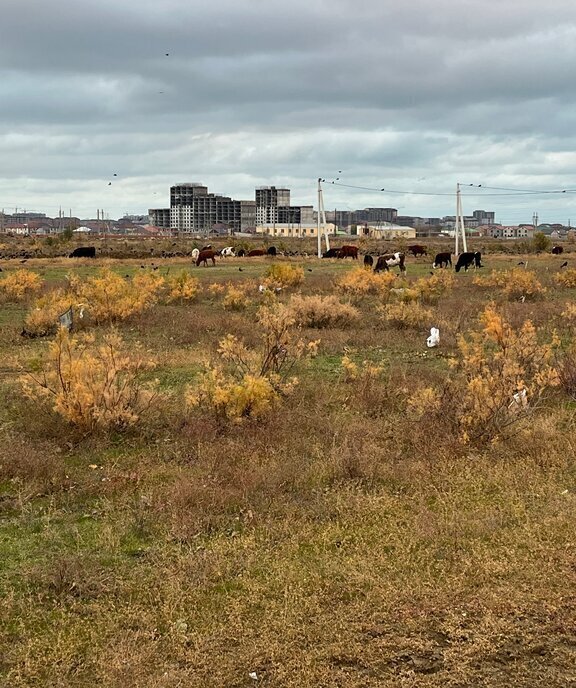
[(435, 193)]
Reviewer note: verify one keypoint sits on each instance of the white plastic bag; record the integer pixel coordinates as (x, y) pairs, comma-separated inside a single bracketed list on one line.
[(434, 338)]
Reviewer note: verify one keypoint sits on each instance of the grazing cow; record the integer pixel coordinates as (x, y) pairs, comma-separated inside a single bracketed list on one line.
[(272, 251), (442, 260), (390, 260), (348, 252), (256, 252), (195, 253), (205, 256), (468, 258), (557, 250), (83, 252), (331, 253), (417, 250), (227, 252), (368, 261), (241, 253)]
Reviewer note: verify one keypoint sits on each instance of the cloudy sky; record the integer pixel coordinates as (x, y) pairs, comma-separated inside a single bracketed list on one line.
[(409, 96)]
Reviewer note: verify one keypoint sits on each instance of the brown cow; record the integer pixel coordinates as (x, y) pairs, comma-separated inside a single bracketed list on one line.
[(256, 252), (348, 252), (205, 256)]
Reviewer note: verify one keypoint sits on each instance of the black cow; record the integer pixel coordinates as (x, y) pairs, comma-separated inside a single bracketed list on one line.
[(468, 258), (368, 261), (83, 252), (442, 260), (557, 250), (331, 253), (272, 251), (417, 250), (241, 253)]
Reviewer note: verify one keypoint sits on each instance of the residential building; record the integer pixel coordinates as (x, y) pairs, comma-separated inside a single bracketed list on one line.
[(268, 199)]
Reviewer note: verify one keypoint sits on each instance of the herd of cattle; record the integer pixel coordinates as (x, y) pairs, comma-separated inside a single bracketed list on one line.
[(381, 262)]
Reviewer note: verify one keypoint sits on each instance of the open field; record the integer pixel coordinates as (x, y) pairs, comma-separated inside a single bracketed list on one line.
[(371, 526)]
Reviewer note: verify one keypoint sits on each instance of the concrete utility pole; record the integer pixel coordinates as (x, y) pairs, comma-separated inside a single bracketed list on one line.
[(321, 221), (459, 224)]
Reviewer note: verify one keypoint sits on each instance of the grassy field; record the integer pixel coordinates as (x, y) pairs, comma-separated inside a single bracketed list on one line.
[(341, 538)]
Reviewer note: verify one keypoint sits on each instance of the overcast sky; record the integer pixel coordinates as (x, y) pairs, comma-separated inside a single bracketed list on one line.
[(412, 95)]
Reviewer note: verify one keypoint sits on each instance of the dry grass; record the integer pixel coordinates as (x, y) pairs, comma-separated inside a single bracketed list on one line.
[(337, 540)]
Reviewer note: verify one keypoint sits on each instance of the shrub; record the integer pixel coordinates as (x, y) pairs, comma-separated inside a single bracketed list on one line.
[(359, 282), (20, 284), (540, 242), (567, 278), (404, 315), (182, 287), (110, 298), (516, 284), (236, 298), (92, 384), (365, 371), (501, 375), (283, 275), (322, 311), (430, 289), (42, 318), (248, 382)]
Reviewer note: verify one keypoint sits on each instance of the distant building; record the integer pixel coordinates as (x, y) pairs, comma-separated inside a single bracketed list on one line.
[(295, 231), (268, 200), (387, 231)]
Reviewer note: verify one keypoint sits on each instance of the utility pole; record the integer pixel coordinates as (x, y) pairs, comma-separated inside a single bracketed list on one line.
[(459, 224), (321, 221)]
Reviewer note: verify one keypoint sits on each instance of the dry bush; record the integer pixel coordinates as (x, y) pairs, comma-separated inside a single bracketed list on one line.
[(492, 366), (283, 275), (360, 282), (322, 311), (248, 382), (216, 288), (182, 287), (110, 298), (430, 289), (91, 384), (567, 278), (18, 285), (516, 284), (42, 318), (236, 297), (404, 315)]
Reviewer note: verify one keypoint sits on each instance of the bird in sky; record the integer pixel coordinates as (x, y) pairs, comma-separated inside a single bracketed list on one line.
[(109, 183)]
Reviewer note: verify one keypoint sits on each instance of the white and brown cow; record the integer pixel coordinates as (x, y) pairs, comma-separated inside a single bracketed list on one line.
[(390, 260)]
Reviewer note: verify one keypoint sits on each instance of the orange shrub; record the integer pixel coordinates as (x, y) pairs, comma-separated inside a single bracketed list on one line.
[(19, 284)]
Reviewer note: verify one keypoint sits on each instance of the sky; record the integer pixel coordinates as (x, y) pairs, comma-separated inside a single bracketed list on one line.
[(105, 104)]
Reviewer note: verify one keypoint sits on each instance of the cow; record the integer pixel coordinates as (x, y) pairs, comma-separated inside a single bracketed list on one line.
[(417, 250), (272, 251), (467, 259), (557, 250), (208, 247), (368, 261), (390, 260), (205, 256), (83, 252), (195, 253), (348, 252), (227, 252), (256, 252), (241, 253), (442, 260), (331, 253)]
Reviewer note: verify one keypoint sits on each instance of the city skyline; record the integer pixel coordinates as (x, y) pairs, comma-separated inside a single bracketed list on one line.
[(105, 105)]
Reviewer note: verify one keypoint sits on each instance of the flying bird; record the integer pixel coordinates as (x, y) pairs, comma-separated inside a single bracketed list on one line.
[(240, 269), (167, 54), (564, 264), (109, 183), (309, 269), (23, 261), (520, 263), (114, 175)]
